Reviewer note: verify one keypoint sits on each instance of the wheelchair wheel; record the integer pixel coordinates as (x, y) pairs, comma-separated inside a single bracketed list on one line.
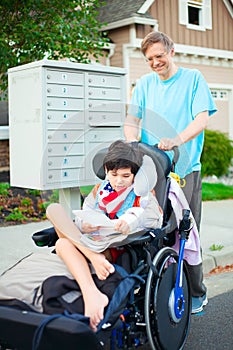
[(164, 331)]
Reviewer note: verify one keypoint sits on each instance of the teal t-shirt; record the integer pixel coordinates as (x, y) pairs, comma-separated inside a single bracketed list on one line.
[(167, 107)]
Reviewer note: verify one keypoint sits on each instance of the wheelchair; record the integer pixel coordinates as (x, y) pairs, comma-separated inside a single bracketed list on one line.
[(156, 308)]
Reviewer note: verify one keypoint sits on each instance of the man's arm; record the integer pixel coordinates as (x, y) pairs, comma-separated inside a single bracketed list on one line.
[(192, 130), (131, 128)]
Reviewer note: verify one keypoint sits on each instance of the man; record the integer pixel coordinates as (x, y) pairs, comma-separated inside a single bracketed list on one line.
[(171, 106)]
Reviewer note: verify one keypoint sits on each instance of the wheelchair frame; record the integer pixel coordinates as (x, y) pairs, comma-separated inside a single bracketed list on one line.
[(166, 310)]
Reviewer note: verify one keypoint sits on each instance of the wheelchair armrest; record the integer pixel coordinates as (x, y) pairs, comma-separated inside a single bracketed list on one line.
[(150, 234), (46, 237)]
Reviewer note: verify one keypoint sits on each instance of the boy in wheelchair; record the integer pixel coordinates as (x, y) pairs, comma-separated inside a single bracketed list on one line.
[(117, 197), (149, 294)]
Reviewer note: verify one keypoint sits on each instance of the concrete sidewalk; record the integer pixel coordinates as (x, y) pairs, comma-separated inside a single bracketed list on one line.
[(217, 228)]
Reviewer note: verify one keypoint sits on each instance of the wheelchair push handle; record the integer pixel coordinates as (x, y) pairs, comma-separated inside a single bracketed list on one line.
[(176, 155)]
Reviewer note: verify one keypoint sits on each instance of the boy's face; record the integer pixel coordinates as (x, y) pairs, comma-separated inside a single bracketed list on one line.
[(120, 178)]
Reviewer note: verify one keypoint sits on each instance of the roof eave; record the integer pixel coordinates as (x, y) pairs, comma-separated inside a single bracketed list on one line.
[(145, 7), (129, 21), (229, 6), (203, 51)]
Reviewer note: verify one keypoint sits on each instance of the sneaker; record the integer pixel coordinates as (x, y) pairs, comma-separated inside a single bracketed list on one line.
[(198, 303)]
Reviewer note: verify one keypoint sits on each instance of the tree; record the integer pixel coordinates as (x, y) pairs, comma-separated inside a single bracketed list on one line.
[(34, 29)]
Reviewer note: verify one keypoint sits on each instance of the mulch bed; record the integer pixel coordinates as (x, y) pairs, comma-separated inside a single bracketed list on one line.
[(220, 269), (4, 176), (17, 200)]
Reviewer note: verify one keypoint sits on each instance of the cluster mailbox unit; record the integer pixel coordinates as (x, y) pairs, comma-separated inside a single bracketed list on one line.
[(60, 114)]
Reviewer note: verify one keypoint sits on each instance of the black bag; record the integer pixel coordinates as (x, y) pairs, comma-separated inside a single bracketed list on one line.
[(60, 293), (17, 331)]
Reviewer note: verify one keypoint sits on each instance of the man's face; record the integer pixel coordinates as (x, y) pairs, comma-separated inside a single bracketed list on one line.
[(160, 60), (120, 178)]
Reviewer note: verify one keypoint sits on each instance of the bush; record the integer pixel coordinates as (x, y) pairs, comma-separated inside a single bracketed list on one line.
[(217, 154)]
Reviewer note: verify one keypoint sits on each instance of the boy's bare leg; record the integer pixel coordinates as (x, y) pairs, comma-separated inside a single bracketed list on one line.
[(65, 227), (94, 300)]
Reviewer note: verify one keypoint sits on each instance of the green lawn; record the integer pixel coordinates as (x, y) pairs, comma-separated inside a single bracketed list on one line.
[(85, 190), (210, 192), (16, 204)]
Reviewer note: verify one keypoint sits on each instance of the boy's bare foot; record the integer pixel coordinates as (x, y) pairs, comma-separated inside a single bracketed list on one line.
[(95, 302), (102, 266)]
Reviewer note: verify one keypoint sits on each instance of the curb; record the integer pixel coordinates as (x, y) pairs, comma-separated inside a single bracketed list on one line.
[(213, 259)]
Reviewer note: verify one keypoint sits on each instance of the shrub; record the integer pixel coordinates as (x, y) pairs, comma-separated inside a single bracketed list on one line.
[(16, 215), (217, 154), (4, 189)]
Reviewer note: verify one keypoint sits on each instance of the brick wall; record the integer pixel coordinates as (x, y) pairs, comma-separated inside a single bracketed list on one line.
[(4, 155)]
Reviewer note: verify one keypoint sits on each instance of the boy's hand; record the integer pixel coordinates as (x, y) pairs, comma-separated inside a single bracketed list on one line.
[(88, 228), (122, 227)]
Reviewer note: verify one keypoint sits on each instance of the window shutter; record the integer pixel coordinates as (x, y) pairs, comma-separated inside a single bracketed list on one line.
[(183, 12), (207, 14)]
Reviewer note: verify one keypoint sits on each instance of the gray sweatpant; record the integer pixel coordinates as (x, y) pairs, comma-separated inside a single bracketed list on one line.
[(193, 194)]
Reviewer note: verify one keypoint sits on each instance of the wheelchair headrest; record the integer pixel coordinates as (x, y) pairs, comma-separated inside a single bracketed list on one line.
[(162, 167)]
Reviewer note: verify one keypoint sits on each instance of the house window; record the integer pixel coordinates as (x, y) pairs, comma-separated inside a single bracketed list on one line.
[(223, 95), (214, 94), (219, 94), (195, 14)]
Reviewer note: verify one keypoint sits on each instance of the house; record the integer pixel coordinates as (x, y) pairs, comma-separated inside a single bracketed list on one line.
[(203, 34)]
